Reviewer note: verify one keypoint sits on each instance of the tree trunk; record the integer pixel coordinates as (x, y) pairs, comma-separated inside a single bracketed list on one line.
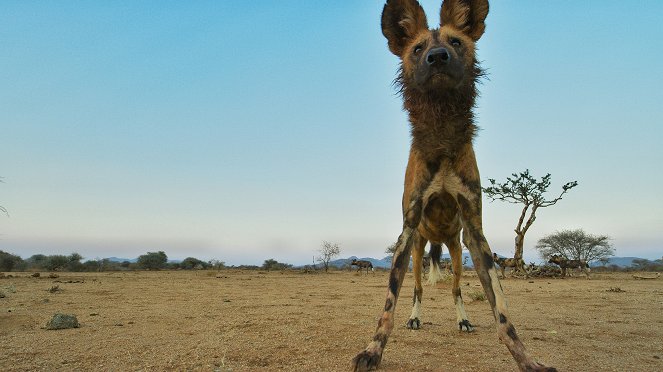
[(520, 242)]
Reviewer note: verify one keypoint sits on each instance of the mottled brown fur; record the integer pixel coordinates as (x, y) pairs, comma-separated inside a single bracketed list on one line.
[(565, 264), (442, 192), (362, 264), (517, 263)]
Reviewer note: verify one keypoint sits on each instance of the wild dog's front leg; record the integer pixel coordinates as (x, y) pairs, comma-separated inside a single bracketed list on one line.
[(474, 239), (370, 358)]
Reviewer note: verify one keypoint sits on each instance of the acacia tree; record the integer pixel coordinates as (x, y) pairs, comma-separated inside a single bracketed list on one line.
[(575, 245), (327, 252), (525, 189)]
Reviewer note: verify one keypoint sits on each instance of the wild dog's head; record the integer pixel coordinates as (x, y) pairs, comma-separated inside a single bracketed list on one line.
[(555, 259), (436, 60)]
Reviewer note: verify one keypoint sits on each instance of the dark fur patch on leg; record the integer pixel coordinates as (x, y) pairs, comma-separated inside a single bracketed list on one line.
[(381, 338), (502, 318), (511, 332), (402, 256), (393, 282), (388, 305)]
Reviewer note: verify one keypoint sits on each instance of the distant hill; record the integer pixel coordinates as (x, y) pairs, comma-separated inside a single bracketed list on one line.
[(118, 259), (619, 261)]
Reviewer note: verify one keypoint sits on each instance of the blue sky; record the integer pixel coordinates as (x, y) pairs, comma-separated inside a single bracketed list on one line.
[(248, 130)]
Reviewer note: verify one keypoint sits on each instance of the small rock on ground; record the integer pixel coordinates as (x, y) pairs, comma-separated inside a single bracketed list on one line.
[(62, 321)]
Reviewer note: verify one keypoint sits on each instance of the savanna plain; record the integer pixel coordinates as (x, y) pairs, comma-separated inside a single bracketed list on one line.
[(234, 320)]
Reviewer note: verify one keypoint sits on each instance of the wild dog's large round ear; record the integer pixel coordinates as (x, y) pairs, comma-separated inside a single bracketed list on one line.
[(401, 21), (466, 15)]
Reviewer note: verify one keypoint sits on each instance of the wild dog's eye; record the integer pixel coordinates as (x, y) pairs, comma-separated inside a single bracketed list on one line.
[(455, 42), (418, 49)]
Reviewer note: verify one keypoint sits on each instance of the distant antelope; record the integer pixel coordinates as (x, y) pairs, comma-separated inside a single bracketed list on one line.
[(518, 264), (362, 264), (565, 263)]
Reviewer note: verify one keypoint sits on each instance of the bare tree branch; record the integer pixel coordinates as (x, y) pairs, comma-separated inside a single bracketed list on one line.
[(523, 188), (327, 252)]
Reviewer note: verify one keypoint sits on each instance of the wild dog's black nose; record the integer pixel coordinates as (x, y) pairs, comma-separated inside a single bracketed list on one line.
[(438, 55)]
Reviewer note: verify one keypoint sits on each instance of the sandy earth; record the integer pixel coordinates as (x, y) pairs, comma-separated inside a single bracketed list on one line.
[(252, 321)]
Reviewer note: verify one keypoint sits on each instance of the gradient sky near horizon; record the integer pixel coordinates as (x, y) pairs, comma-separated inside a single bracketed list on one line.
[(248, 130)]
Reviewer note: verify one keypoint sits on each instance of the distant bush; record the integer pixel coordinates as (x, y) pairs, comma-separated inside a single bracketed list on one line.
[(217, 264), (191, 263), (641, 264), (153, 260), (36, 262), (247, 267), (102, 265), (272, 264), (62, 263), (9, 262)]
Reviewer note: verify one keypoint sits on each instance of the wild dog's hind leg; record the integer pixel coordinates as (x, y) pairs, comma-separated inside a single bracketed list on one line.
[(417, 265), (455, 250)]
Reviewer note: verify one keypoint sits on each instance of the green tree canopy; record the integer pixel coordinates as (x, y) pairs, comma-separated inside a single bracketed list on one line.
[(193, 263), (575, 245), (9, 262), (524, 189), (153, 260), (272, 264)]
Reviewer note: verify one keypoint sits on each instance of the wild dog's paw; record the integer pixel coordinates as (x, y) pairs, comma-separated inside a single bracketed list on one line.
[(366, 361), (465, 326), (413, 323)]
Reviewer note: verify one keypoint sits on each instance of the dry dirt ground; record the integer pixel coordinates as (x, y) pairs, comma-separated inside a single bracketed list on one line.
[(264, 321)]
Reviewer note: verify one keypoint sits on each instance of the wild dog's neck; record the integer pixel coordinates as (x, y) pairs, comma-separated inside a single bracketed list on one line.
[(441, 124)]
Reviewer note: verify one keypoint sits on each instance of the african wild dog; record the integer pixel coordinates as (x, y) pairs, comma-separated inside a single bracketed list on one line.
[(362, 264), (565, 263), (518, 264), (438, 76)]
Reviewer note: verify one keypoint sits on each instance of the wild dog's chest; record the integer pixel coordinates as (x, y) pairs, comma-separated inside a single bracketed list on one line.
[(438, 186), (438, 139)]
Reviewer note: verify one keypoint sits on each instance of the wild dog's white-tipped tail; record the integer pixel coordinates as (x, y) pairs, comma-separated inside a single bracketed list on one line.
[(434, 275)]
